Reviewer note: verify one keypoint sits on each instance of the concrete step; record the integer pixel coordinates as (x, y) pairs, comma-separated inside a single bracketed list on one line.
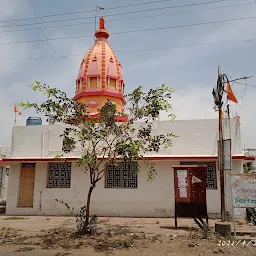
[(2, 209)]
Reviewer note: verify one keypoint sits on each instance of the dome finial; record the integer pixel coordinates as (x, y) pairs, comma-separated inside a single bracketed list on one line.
[(102, 32), (102, 23)]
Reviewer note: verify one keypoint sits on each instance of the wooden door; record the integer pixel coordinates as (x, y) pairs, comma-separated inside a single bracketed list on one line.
[(197, 180), (27, 182)]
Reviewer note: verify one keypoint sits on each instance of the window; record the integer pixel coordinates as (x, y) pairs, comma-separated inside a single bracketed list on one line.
[(112, 83), (211, 180), (98, 81), (59, 175), (93, 82), (89, 82), (122, 175), (81, 85), (108, 82)]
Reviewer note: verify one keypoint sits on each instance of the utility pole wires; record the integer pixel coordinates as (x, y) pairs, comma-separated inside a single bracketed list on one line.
[(218, 95)]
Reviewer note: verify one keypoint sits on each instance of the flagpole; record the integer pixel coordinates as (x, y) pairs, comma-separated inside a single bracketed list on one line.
[(15, 118)]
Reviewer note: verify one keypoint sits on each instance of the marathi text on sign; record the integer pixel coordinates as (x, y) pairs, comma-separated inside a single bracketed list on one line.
[(244, 190)]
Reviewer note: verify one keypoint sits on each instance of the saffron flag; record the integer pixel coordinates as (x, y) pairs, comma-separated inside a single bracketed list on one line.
[(231, 95), (16, 110)]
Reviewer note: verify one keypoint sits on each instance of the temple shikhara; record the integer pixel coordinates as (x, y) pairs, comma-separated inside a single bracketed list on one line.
[(37, 178), (100, 76)]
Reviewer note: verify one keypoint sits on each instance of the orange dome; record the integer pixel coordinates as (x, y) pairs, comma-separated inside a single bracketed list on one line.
[(100, 77)]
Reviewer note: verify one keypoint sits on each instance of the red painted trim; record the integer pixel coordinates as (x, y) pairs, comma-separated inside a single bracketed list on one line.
[(78, 79), (122, 118), (112, 77), (86, 59), (31, 160), (93, 89), (103, 66), (102, 33), (113, 91), (146, 157), (100, 93), (4, 163), (93, 76), (250, 158), (117, 67), (181, 157)]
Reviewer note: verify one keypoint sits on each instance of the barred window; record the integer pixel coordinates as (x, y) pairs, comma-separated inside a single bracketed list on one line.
[(122, 175), (211, 179), (59, 175)]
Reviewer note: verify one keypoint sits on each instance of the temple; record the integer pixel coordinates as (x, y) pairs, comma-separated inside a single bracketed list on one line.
[(36, 177), (100, 77)]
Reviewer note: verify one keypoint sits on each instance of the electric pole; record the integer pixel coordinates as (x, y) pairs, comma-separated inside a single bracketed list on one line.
[(217, 95), (221, 159), (220, 90), (222, 227)]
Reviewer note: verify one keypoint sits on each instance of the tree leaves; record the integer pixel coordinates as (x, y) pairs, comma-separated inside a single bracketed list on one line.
[(150, 104), (101, 140)]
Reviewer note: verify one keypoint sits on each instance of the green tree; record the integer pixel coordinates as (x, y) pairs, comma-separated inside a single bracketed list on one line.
[(102, 141)]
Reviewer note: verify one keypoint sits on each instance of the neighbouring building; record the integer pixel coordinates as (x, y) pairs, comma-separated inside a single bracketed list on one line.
[(4, 172), (37, 178), (250, 166)]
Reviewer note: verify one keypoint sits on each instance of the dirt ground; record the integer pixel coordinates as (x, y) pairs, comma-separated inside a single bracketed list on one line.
[(54, 236)]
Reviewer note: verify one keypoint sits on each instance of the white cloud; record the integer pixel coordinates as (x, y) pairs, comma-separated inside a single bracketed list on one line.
[(197, 103)]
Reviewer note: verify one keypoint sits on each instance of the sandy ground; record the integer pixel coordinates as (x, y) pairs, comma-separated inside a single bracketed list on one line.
[(36, 235)]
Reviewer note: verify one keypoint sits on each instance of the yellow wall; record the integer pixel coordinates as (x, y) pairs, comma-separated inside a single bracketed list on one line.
[(101, 100)]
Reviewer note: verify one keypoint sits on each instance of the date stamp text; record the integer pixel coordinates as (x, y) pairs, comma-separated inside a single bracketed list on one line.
[(236, 243)]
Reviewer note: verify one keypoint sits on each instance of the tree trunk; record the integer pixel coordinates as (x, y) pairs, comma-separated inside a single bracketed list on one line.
[(85, 226)]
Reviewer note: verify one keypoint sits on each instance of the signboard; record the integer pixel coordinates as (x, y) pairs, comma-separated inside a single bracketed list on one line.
[(182, 182), (244, 190), (226, 154)]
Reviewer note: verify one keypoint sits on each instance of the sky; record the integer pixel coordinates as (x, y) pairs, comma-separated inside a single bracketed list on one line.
[(179, 43)]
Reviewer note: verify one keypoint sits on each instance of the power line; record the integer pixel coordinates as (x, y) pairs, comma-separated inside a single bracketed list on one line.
[(135, 50), (134, 31), (244, 90), (131, 18), (118, 14), (245, 84), (87, 11), (46, 39)]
